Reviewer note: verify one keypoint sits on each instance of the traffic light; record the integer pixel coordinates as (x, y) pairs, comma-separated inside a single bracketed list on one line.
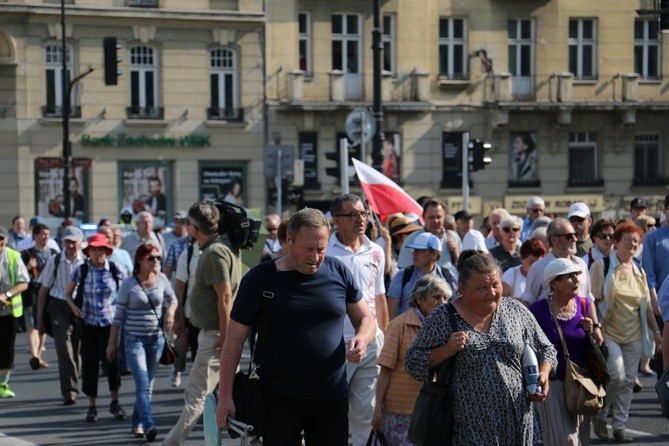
[(479, 154), (111, 60), (664, 15), (333, 171)]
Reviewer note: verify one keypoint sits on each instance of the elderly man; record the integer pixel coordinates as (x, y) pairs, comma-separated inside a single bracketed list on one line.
[(495, 217), (301, 348), (366, 260), (579, 217), (13, 280), (217, 277), (638, 207), (434, 215), (176, 241), (426, 252), (507, 253), (18, 232), (143, 234), (535, 209), (66, 328)]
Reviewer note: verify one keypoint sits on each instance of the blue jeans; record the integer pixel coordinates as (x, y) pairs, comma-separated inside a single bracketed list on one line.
[(143, 353)]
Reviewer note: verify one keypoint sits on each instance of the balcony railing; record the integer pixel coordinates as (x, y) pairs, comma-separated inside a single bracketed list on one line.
[(650, 182), (144, 112), (226, 114), (143, 3), (56, 111), (585, 182)]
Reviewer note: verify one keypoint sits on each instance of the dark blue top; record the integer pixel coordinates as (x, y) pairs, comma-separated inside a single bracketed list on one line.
[(574, 334), (302, 351)]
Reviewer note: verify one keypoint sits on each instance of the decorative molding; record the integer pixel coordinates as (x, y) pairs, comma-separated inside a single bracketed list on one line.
[(224, 36), (144, 34), (55, 31)]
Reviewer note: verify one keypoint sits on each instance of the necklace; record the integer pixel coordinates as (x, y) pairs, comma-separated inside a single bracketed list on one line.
[(562, 314)]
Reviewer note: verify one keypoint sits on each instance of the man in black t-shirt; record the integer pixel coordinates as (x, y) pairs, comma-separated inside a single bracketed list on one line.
[(301, 366)]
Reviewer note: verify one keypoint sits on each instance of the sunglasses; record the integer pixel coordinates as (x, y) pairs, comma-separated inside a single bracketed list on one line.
[(507, 229), (576, 219), (604, 236), (568, 235), (154, 258), (272, 229), (537, 211)]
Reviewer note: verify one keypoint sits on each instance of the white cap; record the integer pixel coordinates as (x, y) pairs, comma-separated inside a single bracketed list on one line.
[(578, 209), (426, 240), (559, 267)]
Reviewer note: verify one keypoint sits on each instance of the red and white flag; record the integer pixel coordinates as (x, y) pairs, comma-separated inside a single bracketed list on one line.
[(384, 196)]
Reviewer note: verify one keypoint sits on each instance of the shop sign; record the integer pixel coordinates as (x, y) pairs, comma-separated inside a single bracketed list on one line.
[(162, 141)]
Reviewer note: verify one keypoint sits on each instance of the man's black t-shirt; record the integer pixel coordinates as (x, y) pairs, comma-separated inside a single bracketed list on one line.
[(302, 348)]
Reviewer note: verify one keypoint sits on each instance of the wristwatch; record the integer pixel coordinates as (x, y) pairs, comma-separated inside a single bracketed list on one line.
[(8, 294), (598, 325)]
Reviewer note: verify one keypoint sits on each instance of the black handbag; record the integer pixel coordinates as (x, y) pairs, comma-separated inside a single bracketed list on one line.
[(432, 417), (376, 438), (169, 354), (662, 389)]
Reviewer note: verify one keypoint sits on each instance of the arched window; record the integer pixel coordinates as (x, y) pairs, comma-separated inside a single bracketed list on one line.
[(143, 84), (53, 63), (223, 83)]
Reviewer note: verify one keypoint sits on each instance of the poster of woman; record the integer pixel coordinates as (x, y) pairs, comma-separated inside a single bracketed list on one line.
[(391, 156), (523, 156)]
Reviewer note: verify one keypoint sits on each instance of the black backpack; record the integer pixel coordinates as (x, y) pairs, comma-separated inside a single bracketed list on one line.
[(408, 271), (83, 272)]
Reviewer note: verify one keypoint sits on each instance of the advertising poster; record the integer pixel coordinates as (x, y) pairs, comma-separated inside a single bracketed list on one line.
[(49, 190), (523, 162), (223, 181), (392, 151), (146, 186)]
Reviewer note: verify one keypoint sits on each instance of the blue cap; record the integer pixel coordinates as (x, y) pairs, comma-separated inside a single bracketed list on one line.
[(36, 220), (426, 240)]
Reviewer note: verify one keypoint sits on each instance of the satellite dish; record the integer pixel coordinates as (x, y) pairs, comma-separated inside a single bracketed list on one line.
[(355, 121)]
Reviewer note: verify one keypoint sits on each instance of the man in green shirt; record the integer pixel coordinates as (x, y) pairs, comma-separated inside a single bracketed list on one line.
[(217, 278)]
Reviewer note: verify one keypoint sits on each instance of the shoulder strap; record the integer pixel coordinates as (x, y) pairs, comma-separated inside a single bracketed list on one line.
[(113, 269), (406, 276), (83, 272), (447, 274), (56, 264), (607, 265), (591, 260), (584, 307), (260, 327), (559, 328)]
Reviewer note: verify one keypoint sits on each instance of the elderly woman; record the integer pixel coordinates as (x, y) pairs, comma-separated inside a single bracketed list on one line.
[(396, 392), (624, 302), (142, 300), (514, 279), (507, 252), (560, 427), (489, 402), (96, 282)]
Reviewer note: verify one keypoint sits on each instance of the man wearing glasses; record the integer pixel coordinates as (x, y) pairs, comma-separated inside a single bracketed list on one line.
[(562, 242), (535, 209), (366, 261), (579, 217)]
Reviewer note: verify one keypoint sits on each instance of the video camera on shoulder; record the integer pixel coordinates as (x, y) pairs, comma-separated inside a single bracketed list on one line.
[(242, 230)]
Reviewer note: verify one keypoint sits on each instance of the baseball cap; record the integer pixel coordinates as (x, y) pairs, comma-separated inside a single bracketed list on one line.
[(578, 209), (180, 215), (559, 267), (3, 232), (73, 233), (36, 220), (639, 202), (463, 214), (126, 211), (426, 240)]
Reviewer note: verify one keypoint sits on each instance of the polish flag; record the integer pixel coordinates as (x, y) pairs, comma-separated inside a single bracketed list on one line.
[(384, 196)]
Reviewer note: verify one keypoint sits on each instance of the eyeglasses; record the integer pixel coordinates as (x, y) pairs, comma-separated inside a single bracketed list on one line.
[(605, 236), (568, 235), (507, 229), (576, 219), (356, 215), (650, 225), (272, 229), (154, 258), (538, 211)]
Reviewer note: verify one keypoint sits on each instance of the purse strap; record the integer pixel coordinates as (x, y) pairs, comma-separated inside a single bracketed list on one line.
[(450, 367), (153, 307), (263, 319), (551, 309)]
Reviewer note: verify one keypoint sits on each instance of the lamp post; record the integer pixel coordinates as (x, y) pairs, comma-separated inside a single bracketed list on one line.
[(377, 158)]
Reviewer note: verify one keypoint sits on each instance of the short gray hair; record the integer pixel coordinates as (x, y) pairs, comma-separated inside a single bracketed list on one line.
[(428, 286), (498, 211), (311, 218), (535, 200), (511, 220), (338, 203), (553, 228), (143, 216), (205, 216), (476, 263)]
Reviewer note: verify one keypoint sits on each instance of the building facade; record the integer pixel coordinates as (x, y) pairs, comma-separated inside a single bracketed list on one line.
[(573, 96), (184, 121)]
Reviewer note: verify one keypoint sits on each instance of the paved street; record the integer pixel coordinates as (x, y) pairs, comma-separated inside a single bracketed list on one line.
[(36, 416)]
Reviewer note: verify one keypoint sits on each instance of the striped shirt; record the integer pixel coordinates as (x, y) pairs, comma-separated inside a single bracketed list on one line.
[(99, 294), (135, 305)]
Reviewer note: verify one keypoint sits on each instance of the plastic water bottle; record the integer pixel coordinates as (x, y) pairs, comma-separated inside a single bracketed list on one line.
[(530, 370)]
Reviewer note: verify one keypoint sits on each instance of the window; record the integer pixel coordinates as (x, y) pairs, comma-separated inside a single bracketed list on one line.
[(453, 48), (143, 3), (53, 62), (646, 49), (583, 49), (647, 161), (583, 160), (304, 20), (143, 88), (521, 57), (223, 83), (346, 43), (388, 38)]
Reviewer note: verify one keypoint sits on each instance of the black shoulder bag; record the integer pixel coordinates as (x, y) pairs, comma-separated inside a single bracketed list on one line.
[(432, 418)]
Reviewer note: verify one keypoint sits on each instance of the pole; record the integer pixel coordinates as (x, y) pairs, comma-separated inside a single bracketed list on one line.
[(343, 164), (465, 171), (278, 182), (265, 105), (377, 157), (67, 149)]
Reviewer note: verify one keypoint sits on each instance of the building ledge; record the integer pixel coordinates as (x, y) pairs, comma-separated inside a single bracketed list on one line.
[(53, 122), (145, 122), (222, 123)]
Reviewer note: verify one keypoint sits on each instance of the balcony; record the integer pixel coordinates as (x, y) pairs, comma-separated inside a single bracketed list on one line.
[(56, 111), (143, 3), (226, 114), (585, 182), (650, 182), (298, 87), (155, 113)]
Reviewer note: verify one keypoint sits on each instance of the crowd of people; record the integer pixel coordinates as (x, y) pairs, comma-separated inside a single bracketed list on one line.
[(352, 315)]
